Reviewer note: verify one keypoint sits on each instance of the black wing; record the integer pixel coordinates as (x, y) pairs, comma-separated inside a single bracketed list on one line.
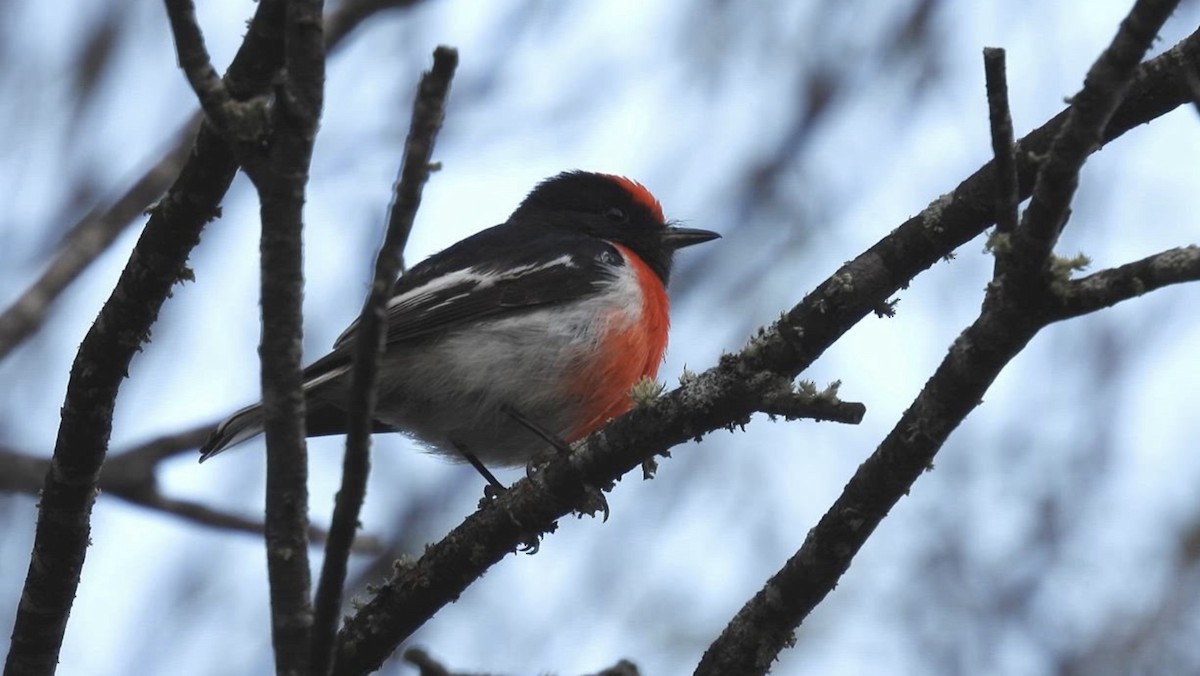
[(503, 270)]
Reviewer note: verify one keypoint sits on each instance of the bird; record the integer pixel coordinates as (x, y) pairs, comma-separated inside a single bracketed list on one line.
[(535, 329)]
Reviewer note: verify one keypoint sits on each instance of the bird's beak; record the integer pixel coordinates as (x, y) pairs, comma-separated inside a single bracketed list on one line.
[(677, 238)]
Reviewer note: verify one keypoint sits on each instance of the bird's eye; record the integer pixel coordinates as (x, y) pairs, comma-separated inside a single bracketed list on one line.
[(615, 214)]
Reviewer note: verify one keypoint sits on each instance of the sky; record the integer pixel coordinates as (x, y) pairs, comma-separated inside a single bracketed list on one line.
[(1054, 513)]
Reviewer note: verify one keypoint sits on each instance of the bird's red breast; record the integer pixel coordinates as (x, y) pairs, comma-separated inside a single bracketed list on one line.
[(629, 351)]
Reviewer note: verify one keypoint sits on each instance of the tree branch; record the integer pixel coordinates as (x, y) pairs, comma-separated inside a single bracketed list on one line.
[(429, 109), (204, 515), (1080, 136), (132, 476), (1002, 139), (281, 181), (798, 406), (1109, 287), (718, 397), (222, 110), (1012, 314)]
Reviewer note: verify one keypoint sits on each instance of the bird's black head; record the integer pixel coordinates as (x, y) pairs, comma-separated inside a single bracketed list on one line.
[(612, 208)]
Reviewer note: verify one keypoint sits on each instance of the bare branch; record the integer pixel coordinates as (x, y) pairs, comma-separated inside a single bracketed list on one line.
[(156, 450), (1000, 116), (281, 182), (157, 263), (25, 473), (131, 476), (794, 406), (213, 518), (1109, 287), (429, 110), (1080, 136), (193, 57)]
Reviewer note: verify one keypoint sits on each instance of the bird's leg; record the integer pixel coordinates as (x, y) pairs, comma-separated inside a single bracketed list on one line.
[(594, 500), (483, 471), (530, 542), (546, 435)]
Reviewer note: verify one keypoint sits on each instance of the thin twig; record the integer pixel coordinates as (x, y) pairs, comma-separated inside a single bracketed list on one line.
[(25, 473), (213, 518), (131, 476), (193, 56), (798, 406), (1002, 139), (429, 109)]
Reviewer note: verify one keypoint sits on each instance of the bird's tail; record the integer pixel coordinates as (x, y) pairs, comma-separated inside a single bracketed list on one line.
[(241, 426)]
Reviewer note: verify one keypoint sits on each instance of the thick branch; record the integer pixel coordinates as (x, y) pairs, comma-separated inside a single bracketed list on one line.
[(429, 109), (718, 397), (766, 624)]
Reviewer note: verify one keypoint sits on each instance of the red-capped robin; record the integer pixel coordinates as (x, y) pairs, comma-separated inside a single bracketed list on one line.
[(547, 320)]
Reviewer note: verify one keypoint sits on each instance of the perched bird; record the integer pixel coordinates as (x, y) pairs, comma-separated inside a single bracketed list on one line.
[(539, 325)]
